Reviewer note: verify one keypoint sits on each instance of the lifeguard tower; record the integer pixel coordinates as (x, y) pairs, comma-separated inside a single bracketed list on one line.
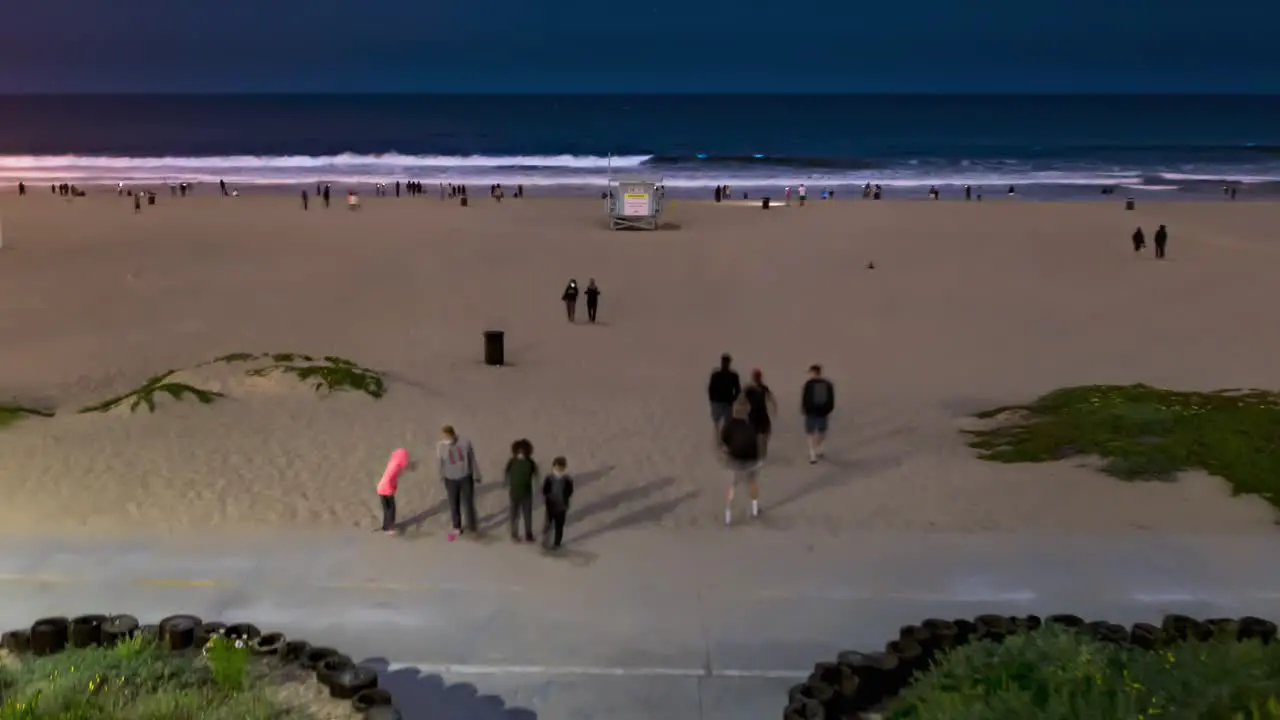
[(634, 204)]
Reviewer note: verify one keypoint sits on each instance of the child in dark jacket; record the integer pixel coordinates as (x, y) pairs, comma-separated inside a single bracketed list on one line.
[(521, 472), (557, 491)]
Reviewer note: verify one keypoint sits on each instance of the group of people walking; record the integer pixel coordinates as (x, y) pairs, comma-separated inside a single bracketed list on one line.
[(743, 422), (1161, 240), (570, 299), (459, 472)]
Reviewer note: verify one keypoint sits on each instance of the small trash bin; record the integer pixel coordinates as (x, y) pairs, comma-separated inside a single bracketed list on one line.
[(151, 199), (764, 203), (494, 351), (462, 201), (1128, 204)]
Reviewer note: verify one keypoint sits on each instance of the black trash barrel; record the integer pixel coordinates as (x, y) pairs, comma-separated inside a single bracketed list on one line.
[(494, 353), (1128, 204), (764, 203), (151, 199), (462, 201)]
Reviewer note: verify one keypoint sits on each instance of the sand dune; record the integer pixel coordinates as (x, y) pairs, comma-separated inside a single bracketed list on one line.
[(970, 305)]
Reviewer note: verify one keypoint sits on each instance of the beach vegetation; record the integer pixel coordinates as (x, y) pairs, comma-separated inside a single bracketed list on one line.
[(1145, 433), (11, 413), (145, 394), (328, 375), (1056, 673), (139, 679)]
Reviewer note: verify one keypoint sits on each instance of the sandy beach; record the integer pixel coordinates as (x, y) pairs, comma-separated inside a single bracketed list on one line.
[(970, 305)]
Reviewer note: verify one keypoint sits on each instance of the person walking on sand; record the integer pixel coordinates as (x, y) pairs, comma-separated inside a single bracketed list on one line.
[(137, 202), (570, 298), (593, 300), (760, 409), (520, 474), (817, 401), (740, 448), (722, 391), (557, 492), (387, 486), (1161, 239), (304, 199), (459, 472), (1139, 240)]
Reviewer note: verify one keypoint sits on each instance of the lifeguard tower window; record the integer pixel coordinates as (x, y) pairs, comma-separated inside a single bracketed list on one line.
[(634, 205)]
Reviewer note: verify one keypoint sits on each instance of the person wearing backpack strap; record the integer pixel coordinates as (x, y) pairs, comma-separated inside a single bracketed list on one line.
[(818, 400)]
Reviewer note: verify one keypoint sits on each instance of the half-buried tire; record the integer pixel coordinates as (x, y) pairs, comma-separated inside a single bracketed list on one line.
[(17, 642), (86, 631), (117, 628), (269, 644), (388, 712), (207, 631), (49, 635), (295, 651), (178, 633), (243, 631), (370, 698), (329, 667), (312, 658), (348, 682)]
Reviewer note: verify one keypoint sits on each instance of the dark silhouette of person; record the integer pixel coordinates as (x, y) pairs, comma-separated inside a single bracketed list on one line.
[(1139, 240), (570, 298), (719, 193), (397, 188), (593, 300), (325, 195), (222, 185), (1161, 239), (1233, 193), (22, 188), (968, 192), (304, 200), (137, 203)]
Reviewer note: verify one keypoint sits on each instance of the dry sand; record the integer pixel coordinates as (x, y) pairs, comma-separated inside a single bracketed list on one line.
[(970, 305)]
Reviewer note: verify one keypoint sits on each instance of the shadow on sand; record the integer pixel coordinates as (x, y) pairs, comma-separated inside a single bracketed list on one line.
[(421, 696), (837, 473)]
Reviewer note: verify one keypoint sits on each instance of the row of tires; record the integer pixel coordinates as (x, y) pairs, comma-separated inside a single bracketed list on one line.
[(858, 682), (344, 679)]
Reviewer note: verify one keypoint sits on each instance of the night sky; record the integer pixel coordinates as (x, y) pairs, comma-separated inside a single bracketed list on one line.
[(533, 46)]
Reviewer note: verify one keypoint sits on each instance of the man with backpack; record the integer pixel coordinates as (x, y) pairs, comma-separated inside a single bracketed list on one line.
[(818, 400), (722, 392)]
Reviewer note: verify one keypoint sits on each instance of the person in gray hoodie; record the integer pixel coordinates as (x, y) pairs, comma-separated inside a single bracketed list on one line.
[(460, 474)]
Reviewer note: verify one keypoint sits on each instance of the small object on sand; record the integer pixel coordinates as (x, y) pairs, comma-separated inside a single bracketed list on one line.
[(871, 266)]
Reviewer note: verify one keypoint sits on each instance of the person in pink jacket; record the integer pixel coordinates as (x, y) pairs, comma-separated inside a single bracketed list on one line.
[(387, 487)]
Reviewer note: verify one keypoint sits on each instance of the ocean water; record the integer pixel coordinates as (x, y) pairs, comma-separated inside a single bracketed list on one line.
[(1064, 144)]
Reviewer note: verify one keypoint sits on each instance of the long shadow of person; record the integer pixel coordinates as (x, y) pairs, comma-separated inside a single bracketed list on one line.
[(420, 696)]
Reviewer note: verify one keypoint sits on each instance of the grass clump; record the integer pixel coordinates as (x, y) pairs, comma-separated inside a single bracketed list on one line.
[(1146, 433), (146, 395), (327, 375), (138, 679), (10, 414), (1058, 674)]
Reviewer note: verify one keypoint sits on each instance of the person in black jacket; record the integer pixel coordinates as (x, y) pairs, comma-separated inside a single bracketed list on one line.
[(1139, 240), (557, 492), (1161, 239), (817, 401), (570, 298), (740, 447), (593, 300), (722, 391)]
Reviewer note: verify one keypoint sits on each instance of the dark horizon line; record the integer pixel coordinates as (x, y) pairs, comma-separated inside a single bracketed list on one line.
[(650, 94)]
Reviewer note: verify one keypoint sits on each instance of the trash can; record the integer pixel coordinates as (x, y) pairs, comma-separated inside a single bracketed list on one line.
[(151, 199), (462, 201), (494, 352), (1128, 204), (764, 203)]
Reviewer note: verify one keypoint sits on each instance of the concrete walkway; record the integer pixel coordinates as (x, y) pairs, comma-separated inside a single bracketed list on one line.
[(713, 625)]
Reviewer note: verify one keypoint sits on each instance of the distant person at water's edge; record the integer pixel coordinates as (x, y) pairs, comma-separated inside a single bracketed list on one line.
[(459, 472), (722, 391), (817, 401), (1161, 240)]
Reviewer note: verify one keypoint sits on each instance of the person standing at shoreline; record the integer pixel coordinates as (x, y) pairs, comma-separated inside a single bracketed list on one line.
[(459, 472), (1139, 240), (817, 401), (722, 392), (1161, 239)]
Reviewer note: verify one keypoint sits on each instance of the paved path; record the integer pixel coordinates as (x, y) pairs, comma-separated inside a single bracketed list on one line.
[(712, 625)]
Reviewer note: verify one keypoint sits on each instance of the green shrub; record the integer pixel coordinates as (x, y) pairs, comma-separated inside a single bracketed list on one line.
[(1147, 433), (228, 661), (1058, 674)]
